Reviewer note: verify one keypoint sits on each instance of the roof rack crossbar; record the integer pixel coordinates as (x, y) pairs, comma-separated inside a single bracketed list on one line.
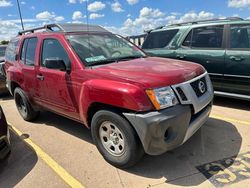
[(47, 27), (66, 27), (208, 20)]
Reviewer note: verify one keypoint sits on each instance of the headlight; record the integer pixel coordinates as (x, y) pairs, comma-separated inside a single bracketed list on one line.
[(162, 97)]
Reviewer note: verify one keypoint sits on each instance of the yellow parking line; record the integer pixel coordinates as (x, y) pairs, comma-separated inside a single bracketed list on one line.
[(59, 170), (230, 119)]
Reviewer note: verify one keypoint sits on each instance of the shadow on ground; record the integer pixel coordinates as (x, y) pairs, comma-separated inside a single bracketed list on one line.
[(5, 97), (232, 103), (72, 127), (19, 163), (214, 141)]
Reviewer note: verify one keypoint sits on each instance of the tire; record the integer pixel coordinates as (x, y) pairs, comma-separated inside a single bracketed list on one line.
[(122, 148), (23, 106)]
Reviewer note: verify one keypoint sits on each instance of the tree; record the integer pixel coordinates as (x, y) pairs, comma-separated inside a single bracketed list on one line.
[(4, 42)]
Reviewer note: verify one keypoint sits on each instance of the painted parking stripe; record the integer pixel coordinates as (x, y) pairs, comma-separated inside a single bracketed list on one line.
[(59, 170), (231, 120)]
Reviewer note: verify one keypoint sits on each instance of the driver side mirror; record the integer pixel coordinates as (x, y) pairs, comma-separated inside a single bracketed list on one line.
[(56, 64)]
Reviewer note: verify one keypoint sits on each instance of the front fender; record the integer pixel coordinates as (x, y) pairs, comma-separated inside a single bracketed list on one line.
[(113, 93)]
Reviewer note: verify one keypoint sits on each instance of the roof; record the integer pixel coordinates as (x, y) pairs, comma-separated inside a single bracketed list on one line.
[(66, 28), (198, 23)]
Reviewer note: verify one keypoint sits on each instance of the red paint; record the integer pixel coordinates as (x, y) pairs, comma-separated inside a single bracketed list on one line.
[(120, 84)]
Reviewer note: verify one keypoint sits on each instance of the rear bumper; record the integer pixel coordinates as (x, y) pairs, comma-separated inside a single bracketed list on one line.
[(3, 88), (167, 129)]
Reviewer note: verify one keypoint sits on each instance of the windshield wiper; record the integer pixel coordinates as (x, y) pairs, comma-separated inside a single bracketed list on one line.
[(102, 62), (128, 57), (115, 60)]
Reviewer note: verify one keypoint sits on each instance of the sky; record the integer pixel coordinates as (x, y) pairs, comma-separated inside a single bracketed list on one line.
[(125, 17)]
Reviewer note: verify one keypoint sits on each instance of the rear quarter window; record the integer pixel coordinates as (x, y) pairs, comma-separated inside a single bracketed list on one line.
[(10, 54), (159, 39)]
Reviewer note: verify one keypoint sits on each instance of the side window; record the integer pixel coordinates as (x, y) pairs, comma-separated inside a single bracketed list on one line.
[(23, 53), (10, 54), (205, 37), (31, 52), (159, 39), (187, 41), (240, 36), (52, 49)]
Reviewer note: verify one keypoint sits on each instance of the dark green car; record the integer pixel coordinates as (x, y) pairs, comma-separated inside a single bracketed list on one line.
[(222, 46)]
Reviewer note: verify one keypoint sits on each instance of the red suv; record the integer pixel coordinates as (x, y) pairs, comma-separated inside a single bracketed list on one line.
[(132, 103)]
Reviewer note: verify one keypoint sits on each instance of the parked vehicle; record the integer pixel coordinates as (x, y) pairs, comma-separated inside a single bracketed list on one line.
[(3, 88), (222, 46), (4, 136), (132, 103), (2, 52)]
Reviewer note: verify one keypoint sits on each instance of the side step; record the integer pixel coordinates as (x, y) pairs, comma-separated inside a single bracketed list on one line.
[(232, 95)]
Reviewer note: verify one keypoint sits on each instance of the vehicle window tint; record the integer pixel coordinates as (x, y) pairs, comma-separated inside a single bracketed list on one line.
[(240, 36), (187, 41), (23, 53), (2, 50), (10, 53), (31, 52), (159, 39), (52, 49), (207, 37)]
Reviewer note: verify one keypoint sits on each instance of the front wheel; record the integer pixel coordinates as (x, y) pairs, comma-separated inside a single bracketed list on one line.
[(115, 139)]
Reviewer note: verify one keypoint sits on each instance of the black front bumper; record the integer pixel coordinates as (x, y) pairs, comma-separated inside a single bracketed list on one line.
[(167, 129)]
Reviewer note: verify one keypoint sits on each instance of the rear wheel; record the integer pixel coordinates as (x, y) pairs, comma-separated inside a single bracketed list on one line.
[(24, 107), (115, 139)]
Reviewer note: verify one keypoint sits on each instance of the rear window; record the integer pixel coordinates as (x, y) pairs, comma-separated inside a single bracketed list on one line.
[(2, 50), (159, 39), (10, 53)]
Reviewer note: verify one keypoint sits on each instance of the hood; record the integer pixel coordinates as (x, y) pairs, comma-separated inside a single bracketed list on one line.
[(151, 72)]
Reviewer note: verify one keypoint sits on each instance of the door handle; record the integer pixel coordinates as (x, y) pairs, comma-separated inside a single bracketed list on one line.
[(181, 56), (40, 77), (236, 58)]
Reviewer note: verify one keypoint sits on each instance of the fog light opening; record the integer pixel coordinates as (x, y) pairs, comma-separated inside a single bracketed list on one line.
[(166, 135)]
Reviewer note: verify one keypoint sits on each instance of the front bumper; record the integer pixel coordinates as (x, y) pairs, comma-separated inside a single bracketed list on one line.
[(167, 129)]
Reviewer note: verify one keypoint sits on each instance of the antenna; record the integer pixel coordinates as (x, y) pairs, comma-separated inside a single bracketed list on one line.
[(87, 20), (20, 14)]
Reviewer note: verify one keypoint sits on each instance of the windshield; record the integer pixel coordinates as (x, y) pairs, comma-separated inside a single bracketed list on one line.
[(2, 51), (102, 48)]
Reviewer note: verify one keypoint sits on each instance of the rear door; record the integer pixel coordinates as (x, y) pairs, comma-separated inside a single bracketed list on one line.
[(237, 66), (55, 90), (27, 64), (205, 45)]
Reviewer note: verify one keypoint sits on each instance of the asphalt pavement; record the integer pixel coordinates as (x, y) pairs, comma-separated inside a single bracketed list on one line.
[(56, 152)]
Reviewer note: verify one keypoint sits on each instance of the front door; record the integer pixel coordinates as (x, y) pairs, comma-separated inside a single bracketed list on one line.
[(237, 66), (54, 86), (205, 46)]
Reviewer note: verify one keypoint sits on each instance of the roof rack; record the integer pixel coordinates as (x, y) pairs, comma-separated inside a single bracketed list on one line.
[(66, 28), (209, 20)]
